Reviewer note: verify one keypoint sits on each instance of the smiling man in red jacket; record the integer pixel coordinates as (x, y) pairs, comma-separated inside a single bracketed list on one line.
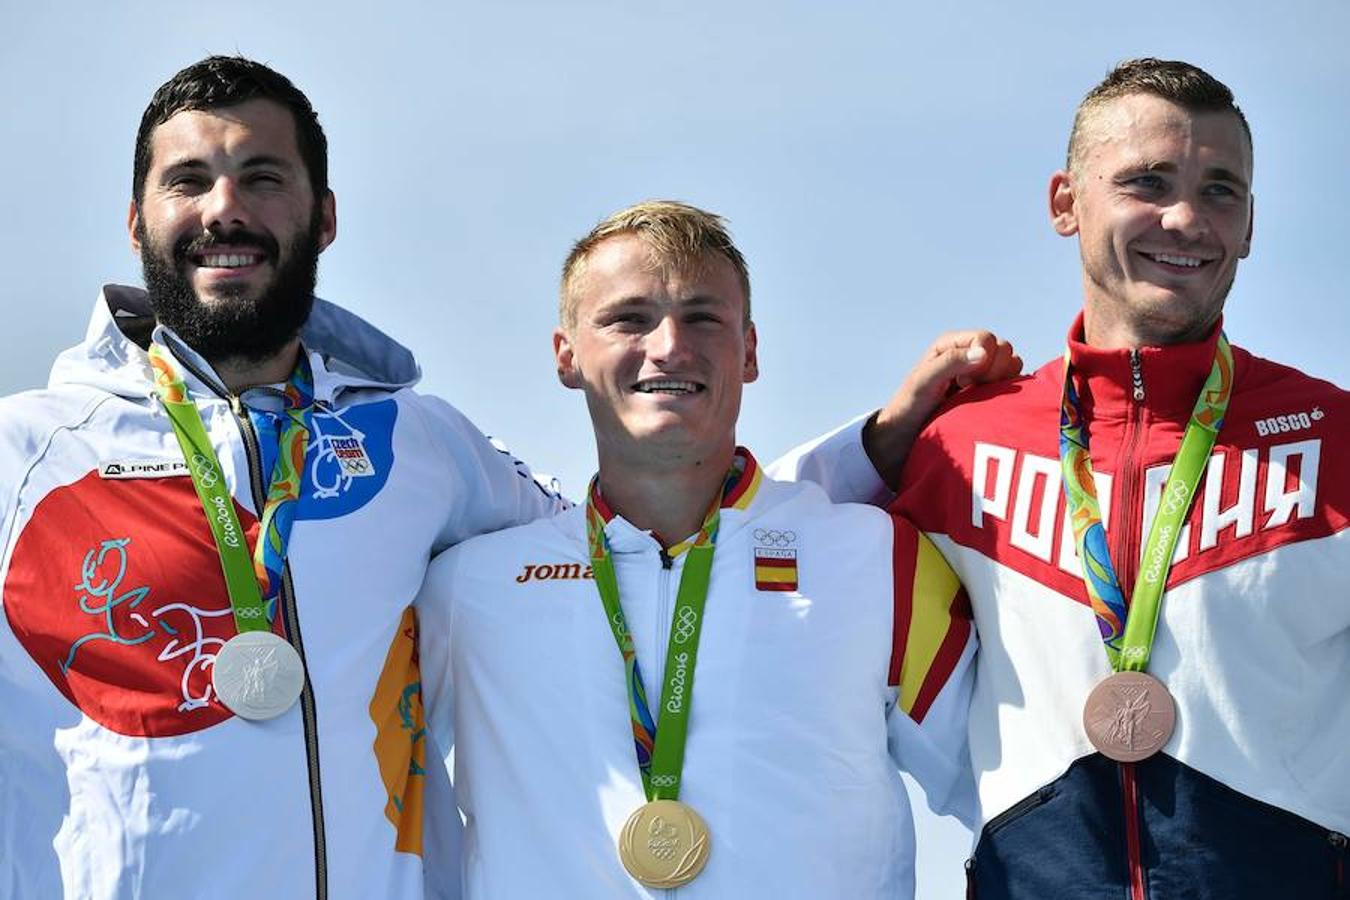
[(1160, 703)]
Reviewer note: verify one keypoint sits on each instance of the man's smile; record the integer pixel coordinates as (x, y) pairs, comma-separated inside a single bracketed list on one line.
[(1178, 262), (668, 386), (227, 260)]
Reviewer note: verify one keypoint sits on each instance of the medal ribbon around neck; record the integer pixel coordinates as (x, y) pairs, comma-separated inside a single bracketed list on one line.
[(1127, 631), (660, 747), (253, 582)]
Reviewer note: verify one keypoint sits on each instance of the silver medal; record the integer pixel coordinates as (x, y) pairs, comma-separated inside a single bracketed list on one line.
[(258, 675)]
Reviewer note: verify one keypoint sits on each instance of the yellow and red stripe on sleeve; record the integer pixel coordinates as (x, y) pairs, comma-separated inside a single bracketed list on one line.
[(932, 621)]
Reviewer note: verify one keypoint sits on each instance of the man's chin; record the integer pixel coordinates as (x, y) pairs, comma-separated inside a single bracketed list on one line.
[(1169, 317), (212, 290), (673, 438)]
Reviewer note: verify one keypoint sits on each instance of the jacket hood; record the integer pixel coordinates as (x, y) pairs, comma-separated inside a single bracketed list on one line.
[(345, 350)]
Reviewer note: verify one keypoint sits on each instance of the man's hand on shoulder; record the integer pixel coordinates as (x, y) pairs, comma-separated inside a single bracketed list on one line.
[(956, 360)]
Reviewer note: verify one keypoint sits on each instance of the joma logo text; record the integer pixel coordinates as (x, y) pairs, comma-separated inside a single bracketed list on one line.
[(554, 572)]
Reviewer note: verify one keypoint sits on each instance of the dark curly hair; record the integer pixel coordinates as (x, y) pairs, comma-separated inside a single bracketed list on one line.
[(219, 81)]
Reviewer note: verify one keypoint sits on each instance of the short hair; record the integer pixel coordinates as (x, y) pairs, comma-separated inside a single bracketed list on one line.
[(220, 81), (1188, 86), (678, 236)]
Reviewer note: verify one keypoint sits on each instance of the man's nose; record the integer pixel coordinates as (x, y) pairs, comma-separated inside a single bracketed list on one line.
[(223, 207), (1186, 219), (667, 340)]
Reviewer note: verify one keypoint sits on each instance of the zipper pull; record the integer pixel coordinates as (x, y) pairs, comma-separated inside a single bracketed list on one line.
[(666, 561), (236, 404), (1137, 375)]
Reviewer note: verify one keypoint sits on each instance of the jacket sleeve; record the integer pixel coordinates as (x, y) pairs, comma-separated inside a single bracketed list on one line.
[(493, 489), (838, 463), (435, 610), (442, 827), (932, 671)]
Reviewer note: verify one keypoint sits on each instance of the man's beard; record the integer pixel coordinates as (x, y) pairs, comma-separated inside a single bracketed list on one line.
[(232, 326)]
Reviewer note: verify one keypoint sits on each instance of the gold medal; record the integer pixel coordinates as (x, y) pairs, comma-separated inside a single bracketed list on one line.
[(1129, 716), (664, 844)]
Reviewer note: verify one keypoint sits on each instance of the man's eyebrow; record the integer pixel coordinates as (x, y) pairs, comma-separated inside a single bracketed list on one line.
[(186, 163), (1219, 173), (1213, 173), (1151, 165), (627, 300), (261, 159), (630, 301), (264, 159)]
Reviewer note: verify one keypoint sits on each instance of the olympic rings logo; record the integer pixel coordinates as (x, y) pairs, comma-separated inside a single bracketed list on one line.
[(665, 780), (685, 620), (1174, 499), (772, 537), (207, 474)]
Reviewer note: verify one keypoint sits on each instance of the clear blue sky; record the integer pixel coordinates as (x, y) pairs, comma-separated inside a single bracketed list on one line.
[(883, 165)]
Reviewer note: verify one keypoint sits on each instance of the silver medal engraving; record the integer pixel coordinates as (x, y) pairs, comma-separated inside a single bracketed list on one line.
[(258, 675)]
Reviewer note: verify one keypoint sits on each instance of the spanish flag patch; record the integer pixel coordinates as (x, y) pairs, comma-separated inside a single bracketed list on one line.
[(775, 569)]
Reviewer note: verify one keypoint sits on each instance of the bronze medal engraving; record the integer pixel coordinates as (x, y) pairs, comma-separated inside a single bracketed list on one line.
[(1129, 716), (664, 844)]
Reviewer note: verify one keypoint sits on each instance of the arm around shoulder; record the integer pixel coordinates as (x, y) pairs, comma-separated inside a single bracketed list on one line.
[(498, 490), (933, 673)]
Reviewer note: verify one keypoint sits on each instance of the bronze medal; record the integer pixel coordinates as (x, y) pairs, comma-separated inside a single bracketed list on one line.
[(664, 844), (1129, 716)]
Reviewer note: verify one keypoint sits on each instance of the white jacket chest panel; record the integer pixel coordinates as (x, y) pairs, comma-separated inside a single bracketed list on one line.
[(1255, 655), (787, 739)]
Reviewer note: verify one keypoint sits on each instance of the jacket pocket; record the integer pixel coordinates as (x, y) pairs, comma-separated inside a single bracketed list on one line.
[(1020, 808)]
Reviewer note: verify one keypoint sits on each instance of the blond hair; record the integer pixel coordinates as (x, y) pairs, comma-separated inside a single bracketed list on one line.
[(678, 237), (1188, 86)]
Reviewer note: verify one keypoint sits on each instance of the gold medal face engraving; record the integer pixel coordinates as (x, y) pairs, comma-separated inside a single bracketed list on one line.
[(664, 844), (1129, 716)]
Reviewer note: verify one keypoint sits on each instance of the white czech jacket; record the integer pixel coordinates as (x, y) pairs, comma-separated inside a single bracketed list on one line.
[(795, 737), (121, 776)]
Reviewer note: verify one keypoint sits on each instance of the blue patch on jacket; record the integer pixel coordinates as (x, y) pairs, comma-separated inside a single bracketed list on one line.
[(348, 459)]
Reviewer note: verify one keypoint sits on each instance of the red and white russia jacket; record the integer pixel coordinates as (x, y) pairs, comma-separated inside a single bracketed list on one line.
[(1254, 636)]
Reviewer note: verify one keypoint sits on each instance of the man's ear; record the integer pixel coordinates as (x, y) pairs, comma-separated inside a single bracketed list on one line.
[(1251, 221), (568, 373), (1063, 216), (751, 369), (133, 219), (327, 221)]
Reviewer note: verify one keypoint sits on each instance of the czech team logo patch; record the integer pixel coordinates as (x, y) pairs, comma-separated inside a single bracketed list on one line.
[(116, 592), (775, 560)]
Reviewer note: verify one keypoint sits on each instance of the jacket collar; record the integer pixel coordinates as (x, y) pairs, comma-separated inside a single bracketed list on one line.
[(1171, 376), (345, 351), (738, 493)]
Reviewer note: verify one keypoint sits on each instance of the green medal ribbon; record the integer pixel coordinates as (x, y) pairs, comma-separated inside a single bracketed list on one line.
[(247, 575), (1127, 632), (660, 748)]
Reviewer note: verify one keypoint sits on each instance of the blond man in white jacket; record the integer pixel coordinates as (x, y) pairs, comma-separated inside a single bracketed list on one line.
[(701, 681)]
